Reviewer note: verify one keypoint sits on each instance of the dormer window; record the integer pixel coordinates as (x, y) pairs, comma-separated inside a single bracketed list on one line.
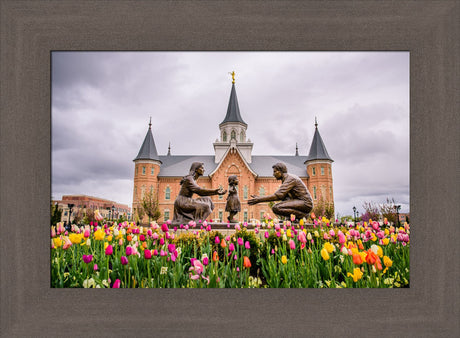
[(224, 136), (233, 135)]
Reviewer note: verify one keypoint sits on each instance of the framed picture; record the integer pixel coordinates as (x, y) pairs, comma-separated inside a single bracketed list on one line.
[(31, 32)]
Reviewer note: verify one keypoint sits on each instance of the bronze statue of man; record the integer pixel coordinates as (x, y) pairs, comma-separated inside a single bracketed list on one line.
[(293, 193), (188, 209)]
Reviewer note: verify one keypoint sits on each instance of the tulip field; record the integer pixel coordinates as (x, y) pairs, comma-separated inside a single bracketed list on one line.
[(271, 254)]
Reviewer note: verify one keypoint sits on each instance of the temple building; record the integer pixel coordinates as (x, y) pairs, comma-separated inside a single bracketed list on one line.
[(161, 174)]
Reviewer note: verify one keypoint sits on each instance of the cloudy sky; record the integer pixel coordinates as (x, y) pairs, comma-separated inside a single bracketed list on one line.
[(102, 103)]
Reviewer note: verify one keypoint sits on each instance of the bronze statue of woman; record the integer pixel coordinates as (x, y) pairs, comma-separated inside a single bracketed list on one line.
[(188, 209)]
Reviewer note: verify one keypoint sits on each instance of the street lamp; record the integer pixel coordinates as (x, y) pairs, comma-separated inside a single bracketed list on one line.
[(354, 214), (397, 207), (113, 209), (357, 216), (70, 205)]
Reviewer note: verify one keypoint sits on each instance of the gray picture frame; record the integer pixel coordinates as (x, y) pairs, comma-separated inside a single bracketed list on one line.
[(30, 30)]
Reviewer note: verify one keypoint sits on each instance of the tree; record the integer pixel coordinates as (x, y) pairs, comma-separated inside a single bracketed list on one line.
[(371, 212), (388, 210), (56, 214), (149, 204), (324, 208)]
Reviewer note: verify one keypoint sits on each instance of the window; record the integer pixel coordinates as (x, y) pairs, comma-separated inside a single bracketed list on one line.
[(245, 216), (314, 192), (142, 191), (168, 193), (143, 170), (245, 192), (152, 171), (233, 135), (221, 215), (262, 213), (166, 216), (221, 196), (322, 171), (261, 191), (242, 137), (224, 136), (313, 171)]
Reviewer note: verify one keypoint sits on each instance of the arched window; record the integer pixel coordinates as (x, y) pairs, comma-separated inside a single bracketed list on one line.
[(314, 192), (313, 171), (233, 134), (166, 215), (242, 137), (261, 191), (245, 192), (168, 193), (224, 136), (143, 170), (153, 171)]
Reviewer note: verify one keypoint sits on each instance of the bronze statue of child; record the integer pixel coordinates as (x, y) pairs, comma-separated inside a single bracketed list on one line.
[(233, 205)]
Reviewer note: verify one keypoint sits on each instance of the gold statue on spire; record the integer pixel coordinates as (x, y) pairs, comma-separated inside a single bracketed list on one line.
[(233, 76)]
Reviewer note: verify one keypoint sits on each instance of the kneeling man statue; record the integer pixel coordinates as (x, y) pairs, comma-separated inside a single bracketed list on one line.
[(188, 209), (294, 195)]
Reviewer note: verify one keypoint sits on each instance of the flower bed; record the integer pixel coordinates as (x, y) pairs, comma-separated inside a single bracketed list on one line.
[(272, 255)]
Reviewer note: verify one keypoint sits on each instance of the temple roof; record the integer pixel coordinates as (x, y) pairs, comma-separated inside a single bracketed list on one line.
[(233, 110), (179, 165), (148, 149), (318, 149)]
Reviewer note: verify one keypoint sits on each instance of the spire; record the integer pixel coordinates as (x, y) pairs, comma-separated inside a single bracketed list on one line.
[(318, 149), (148, 149), (296, 150), (233, 110), (169, 149)]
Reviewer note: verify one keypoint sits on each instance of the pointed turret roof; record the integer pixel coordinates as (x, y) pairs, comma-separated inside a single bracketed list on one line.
[(318, 149), (148, 149), (233, 110)]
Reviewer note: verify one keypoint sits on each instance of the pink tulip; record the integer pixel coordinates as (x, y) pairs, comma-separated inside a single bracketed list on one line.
[(109, 250), (247, 245), (291, 244), (171, 248), (301, 237), (217, 240), (124, 260), (87, 233), (129, 251), (149, 233), (155, 252), (116, 285), (163, 253), (342, 238), (87, 258), (162, 241), (142, 238), (147, 254), (266, 234), (231, 247), (164, 227), (240, 241), (155, 236), (332, 232), (205, 261), (95, 268)]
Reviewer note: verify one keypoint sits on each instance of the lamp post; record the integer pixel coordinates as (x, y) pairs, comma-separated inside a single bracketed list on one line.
[(357, 215), (397, 207), (354, 215), (70, 205)]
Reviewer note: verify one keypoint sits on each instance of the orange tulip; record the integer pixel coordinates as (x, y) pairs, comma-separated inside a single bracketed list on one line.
[(129, 238), (246, 262), (223, 243), (144, 245), (357, 259), (215, 257), (371, 257)]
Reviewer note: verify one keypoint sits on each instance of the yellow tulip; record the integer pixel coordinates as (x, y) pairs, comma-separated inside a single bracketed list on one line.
[(324, 254), (57, 242), (301, 222), (357, 274), (386, 241), (284, 259), (288, 233), (387, 261), (329, 247), (99, 235)]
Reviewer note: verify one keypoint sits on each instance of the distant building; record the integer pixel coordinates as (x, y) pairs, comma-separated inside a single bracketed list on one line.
[(81, 203), (232, 156)]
